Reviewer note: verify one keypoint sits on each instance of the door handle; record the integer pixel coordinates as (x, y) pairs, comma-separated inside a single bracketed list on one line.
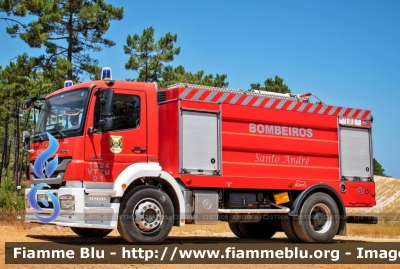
[(138, 150)]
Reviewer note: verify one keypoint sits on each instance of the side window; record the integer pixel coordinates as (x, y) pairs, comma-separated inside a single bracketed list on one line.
[(126, 112)]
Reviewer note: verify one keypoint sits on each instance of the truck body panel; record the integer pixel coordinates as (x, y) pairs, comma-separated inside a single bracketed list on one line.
[(266, 143)]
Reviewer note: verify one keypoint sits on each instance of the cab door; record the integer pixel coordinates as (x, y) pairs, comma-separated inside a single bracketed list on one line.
[(108, 153)]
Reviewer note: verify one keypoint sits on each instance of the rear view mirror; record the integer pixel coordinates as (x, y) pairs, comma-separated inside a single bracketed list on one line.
[(106, 123), (26, 137), (30, 102), (106, 103), (26, 104)]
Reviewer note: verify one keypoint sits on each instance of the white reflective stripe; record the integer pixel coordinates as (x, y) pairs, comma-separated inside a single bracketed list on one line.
[(185, 93), (198, 94), (210, 96), (234, 99), (269, 103), (301, 108), (259, 101), (368, 117), (280, 105), (352, 113), (223, 97), (247, 100), (292, 105), (322, 110), (311, 110), (333, 109), (342, 111), (360, 114)]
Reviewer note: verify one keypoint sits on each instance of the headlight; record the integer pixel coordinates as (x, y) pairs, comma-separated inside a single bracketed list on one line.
[(67, 202)]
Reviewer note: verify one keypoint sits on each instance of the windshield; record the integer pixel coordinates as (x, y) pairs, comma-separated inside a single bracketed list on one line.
[(62, 115)]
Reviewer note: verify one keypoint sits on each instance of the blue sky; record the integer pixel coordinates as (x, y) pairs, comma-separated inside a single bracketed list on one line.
[(346, 52)]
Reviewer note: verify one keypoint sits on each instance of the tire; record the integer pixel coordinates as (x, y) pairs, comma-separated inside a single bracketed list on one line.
[(287, 227), (318, 219), (261, 230), (146, 215), (91, 232), (235, 229)]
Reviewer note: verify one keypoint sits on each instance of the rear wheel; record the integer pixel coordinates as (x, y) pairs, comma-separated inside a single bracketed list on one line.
[(146, 216), (262, 230), (90, 232), (287, 227), (318, 219), (235, 229)]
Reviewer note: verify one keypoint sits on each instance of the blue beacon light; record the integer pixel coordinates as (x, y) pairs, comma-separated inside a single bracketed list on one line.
[(106, 73), (68, 83)]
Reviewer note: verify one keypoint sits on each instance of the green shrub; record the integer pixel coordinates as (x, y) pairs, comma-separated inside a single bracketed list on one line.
[(9, 200)]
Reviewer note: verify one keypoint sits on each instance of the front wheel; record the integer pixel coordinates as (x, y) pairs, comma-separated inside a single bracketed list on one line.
[(318, 219), (146, 216), (90, 232)]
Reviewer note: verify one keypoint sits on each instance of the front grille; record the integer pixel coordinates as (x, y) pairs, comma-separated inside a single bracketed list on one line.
[(60, 160), (56, 178)]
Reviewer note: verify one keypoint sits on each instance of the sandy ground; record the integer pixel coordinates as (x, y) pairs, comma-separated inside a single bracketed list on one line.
[(48, 233)]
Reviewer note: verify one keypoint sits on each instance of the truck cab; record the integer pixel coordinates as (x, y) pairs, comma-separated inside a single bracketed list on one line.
[(102, 135)]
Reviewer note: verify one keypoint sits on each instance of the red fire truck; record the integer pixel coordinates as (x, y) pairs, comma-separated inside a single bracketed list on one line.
[(142, 160)]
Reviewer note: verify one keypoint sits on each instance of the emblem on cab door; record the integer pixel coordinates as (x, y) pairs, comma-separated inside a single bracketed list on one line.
[(115, 144)]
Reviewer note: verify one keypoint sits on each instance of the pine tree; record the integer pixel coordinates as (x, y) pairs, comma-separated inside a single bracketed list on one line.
[(378, 169), (67, 29), (148, 57), (151, 60), (271, 85), (179, 74)]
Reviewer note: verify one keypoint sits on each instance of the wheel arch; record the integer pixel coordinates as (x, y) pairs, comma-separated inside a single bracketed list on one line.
[(329, 191), (133, 177)]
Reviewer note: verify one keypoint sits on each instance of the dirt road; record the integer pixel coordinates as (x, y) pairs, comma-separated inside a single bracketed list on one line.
[(47, 233)]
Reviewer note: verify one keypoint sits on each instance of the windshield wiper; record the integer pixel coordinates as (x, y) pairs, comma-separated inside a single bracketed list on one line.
[(42, 136), (58, 131)]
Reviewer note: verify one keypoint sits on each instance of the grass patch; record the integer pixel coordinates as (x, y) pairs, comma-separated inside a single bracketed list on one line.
[(9, 200), (383, 229), (14, 218)]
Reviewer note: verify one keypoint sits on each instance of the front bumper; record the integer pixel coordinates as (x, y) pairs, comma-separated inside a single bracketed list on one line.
[(89, 208)]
